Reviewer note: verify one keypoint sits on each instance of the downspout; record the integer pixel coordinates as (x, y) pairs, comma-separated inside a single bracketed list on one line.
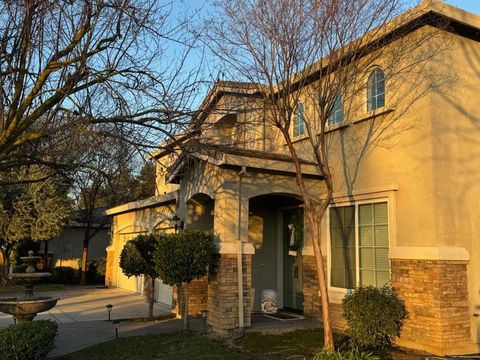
[(241, 324)]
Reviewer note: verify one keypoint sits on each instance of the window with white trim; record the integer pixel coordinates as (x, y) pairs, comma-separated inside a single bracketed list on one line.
[(336, 117), (376, 90), (299, 121), (359, 245)]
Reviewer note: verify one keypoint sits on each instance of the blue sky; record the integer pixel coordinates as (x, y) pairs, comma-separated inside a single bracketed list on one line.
[(469, 5), (202, 7)]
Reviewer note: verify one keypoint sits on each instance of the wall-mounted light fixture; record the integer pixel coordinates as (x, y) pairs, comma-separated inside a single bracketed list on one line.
[(177, 222)]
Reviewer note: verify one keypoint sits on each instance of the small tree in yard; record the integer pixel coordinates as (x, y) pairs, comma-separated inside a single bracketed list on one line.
[(180, 258), (137, 258)]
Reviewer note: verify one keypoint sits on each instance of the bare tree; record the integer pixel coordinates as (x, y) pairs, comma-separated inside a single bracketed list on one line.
[(317, 52), (68, 65), (93, 185)]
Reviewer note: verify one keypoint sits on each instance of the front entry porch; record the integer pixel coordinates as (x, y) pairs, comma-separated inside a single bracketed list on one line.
[(275, 229)]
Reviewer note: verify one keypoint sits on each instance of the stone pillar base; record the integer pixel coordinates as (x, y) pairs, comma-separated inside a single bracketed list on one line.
[(197, 303), (222, 303)]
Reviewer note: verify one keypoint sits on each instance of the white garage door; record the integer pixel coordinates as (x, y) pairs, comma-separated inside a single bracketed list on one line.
[(134, 283), (163, 293)]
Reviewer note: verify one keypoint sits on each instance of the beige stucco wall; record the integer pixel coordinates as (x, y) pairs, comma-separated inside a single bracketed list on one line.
[(456, 164), (130, 224)]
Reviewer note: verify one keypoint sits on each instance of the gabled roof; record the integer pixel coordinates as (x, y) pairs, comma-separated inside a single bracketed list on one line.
[(219, 89)]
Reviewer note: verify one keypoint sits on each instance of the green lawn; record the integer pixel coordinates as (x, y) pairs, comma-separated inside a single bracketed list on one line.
[(301, 344), (297, 344), (159, 346)]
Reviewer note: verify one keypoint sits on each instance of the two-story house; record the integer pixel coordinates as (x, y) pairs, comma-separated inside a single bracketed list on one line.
[(405, 212)]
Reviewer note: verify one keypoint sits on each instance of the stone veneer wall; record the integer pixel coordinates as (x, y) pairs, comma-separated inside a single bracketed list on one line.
[(436, 297), (312, 304), (197, 303), (109, 267), (223, 294)]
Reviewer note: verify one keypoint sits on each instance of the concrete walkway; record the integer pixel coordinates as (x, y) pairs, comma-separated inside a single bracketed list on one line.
[(81, 316), (88, 304)]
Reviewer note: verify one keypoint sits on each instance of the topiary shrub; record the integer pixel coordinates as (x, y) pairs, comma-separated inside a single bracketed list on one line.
[(27, 341), (182, 257), (138, 258), (353, 354), (374, 316), (63, 275)]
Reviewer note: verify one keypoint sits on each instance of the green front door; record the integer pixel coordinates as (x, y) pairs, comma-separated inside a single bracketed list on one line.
[(292, 259)]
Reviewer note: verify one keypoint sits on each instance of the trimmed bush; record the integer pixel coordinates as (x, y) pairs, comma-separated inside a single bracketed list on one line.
[(374, 315), (182, 257), (96, 272), (28, 341), (63, 275), (353, 354)]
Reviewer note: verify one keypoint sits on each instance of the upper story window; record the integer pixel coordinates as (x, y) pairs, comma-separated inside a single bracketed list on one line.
[(359, 245), (376, 90), (336, 117), (299, 120)]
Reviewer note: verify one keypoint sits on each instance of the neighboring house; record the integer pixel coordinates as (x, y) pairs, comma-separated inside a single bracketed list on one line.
[(408, 217), (67, 250)]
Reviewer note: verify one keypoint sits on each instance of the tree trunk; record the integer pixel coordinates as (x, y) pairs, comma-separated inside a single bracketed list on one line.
[(4, 269), (83, 268), (186, 294), (322, 280), (151, 297), (313, 214)]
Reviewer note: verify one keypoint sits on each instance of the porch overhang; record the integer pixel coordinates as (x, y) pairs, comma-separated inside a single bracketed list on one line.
[(253, 160), (142, 204)]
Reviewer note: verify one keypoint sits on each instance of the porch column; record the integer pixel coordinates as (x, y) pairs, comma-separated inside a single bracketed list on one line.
[(231, 232)]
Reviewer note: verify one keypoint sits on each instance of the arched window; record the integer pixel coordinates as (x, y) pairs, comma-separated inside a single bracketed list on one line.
[(376, 90), (299, 120)]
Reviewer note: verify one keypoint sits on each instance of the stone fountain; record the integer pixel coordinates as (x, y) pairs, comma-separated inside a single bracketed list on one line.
[(26, 307)]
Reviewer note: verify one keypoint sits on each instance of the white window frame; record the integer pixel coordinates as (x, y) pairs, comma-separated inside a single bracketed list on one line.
[(336, 293), (330, 123), (370, 100), (303, 135)]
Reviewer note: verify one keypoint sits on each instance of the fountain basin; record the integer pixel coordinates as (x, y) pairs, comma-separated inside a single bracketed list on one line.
[(29, 278), (26, 309)]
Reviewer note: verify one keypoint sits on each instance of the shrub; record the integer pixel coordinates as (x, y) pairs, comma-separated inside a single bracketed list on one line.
[(63, 275), (374, 315), (96, 271), (28, 341), (353, 354), (182, 257)]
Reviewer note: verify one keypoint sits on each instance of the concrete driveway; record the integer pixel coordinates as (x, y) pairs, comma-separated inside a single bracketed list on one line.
[(88, 304), (81, 317)]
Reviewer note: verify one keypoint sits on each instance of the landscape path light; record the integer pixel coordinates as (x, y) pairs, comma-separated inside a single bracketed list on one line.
[(109, 310)]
